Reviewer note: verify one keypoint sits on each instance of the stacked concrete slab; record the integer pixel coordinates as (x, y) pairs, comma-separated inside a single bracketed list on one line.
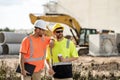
[(10, 42), (103, 45), (118, 42)]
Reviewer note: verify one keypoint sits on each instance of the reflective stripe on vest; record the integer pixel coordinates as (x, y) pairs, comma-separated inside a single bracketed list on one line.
[(31, 52), (62, 63), (68, 42)]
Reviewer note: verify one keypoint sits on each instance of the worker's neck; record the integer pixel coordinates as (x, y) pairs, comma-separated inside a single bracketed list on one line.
[(60, 39)]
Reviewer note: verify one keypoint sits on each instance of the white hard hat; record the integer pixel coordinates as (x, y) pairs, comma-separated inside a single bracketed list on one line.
[(40, 24)]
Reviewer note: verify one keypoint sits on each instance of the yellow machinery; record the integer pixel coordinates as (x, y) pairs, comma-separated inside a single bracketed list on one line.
[(82, 33), (61, 18)]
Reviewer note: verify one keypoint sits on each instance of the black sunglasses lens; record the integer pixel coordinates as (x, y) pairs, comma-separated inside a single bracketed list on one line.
[(59, 31)]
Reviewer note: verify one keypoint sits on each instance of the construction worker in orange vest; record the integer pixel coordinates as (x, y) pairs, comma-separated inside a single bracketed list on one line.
[(33, 51)]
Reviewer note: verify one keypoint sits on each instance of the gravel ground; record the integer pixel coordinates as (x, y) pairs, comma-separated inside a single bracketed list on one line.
[(100, 66), (85, 66)]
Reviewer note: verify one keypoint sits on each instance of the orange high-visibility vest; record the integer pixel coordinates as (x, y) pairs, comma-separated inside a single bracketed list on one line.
[(35, 51)]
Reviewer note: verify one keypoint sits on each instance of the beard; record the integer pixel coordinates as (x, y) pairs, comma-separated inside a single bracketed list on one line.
[(40, 35), (59, 36)]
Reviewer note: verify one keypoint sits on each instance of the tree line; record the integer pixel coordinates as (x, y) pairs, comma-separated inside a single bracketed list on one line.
[(6, 29)]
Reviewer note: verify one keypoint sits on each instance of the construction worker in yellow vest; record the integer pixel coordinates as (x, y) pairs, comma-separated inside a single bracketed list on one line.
[(61, 55)]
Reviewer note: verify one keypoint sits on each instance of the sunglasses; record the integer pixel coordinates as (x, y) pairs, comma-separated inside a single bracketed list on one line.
[(59, 31)]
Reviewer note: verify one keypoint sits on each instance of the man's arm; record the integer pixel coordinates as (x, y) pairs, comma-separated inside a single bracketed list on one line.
[(22, 61), (69, 59), (51, 44), (50, 71), (48, 59)]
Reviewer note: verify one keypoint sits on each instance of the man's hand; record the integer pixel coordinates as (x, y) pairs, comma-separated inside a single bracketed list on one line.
[(51, 44), (51, 71), (64, 59), (68, 59), (24, 72)]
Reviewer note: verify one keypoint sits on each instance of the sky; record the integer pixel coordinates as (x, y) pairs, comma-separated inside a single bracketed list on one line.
[(14, 14)]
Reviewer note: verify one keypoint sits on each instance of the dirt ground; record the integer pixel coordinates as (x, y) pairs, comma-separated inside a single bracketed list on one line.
[(100, 66), (82, 61), (84, 66), (89, 59)]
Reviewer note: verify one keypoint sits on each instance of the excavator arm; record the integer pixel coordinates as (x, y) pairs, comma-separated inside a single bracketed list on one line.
[(60, 18), (82, 34)]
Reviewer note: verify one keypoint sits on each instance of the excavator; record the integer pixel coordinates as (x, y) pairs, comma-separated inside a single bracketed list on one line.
[(81, 36)]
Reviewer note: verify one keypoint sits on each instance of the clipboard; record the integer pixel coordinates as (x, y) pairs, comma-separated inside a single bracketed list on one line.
[(28, 67)]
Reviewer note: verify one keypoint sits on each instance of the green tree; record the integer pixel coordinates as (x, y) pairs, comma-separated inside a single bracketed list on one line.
[(6, 29), (1, 29)]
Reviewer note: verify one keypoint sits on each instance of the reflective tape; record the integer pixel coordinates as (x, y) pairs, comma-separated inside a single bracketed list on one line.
[(67, 44), (31, 46), (31, 52), (62, 63)]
